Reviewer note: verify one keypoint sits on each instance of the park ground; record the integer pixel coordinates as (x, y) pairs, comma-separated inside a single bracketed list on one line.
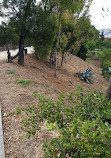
[(14, 94)]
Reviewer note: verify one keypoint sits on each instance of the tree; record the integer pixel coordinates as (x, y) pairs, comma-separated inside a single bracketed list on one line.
[(43, 32), (8, 37), (91, 45), (82, 51), (33, 24), (20, 15), (59, 7), (46, 25), (86, 35), (102, 35)]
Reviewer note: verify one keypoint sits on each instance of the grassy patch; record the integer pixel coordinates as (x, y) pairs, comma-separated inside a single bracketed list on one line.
[(17, 111), (11, 71), (24, 82)]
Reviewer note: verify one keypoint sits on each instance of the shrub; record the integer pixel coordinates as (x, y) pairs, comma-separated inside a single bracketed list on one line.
[(105, 59), (108, 94), (82, 53), (106, 55), (107, 43), (82, 121)]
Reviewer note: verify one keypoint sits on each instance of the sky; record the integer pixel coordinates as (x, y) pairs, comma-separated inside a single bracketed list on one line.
[(100, 11)]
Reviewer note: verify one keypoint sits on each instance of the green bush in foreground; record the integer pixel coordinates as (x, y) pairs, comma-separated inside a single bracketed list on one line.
[(82, 121)]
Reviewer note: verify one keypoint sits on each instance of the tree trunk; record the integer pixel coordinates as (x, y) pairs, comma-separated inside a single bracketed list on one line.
[(56, 63), (62, 58), (21, 50), (65, 58), (51, 59)]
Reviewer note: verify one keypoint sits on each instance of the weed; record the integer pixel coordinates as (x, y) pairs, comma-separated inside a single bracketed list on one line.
[(10, 71), (12, 113), (18, 110), (24, 82)]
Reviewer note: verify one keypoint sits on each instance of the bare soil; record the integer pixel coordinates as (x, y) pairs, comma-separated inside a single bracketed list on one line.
[(13, 94)]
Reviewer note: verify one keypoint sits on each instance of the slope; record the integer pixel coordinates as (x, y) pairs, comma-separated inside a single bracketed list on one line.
[(13, 94)]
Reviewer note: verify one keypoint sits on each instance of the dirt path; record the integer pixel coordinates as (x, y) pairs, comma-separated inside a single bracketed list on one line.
[(13, 94), (3, 54)]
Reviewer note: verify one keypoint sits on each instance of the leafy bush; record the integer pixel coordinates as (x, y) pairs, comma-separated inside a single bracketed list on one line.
[(90, 54), (91, 45), (94, 53), (106, 55), (82, 53), (107, 43), (82, 121), (108, 94), (105, 59)]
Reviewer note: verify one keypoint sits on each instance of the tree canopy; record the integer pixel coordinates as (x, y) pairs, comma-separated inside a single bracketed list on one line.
[(50, 25)]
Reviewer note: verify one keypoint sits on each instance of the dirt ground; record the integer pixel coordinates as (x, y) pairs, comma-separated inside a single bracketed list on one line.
[(13, 94)]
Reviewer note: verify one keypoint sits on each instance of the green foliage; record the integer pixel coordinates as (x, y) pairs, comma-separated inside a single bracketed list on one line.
[(105, 59), (84, 133), (98, 43), (7, 35), (105, 56), (11, 71), (107, 43), (108, 94), (82, 121), (18, 110), (82, 53), (31, 120), (24, 82), (70, 27), (20, 17), (91, 45), (41, 24), (86, 35), (90, 54), (43, 33)]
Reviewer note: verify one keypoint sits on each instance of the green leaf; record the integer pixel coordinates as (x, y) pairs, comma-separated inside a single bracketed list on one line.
[(56, 125), (51, 125)]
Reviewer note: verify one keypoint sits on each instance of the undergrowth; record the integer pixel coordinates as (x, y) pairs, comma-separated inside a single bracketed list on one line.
[(105, 59), (11, 71), (82, 121), (24, 82)]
